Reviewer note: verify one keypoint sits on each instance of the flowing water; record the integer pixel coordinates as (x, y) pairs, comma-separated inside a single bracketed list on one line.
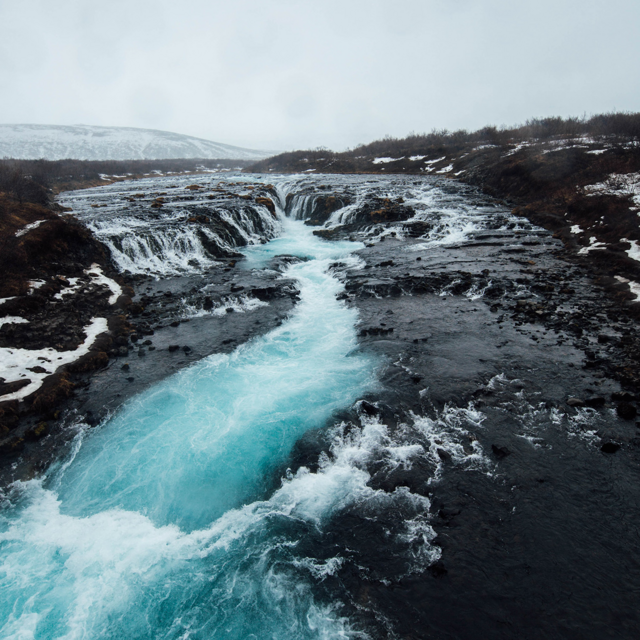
[(163, 518), (177, 517)]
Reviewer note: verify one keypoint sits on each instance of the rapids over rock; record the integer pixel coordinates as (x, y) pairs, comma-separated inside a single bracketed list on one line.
[(394, 419)]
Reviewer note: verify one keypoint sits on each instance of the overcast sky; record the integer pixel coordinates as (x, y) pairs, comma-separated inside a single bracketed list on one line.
[(283, 74)]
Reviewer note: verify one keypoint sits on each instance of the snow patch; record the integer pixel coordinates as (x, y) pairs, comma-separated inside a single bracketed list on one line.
[(99, 278), (29, 227), (576, 229), (385, 160), (14, 363), (416, 158), (634, 252), (617, 184), (593, 246), (12, 320), (634, 287)]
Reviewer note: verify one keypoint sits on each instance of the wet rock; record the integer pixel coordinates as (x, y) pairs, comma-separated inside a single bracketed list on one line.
[(575, 402), (626, 411), (125, 366), (625, 396), (438, 570), (610, 447), (38, 431), (445, 456), (173, 347), (368, 409), (595, 402), (186, 349), (500, 451)]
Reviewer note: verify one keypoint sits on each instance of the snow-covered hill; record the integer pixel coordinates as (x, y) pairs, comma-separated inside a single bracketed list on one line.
[(83, 142)]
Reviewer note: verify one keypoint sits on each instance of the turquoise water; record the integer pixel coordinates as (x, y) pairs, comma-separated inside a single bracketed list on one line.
[(163, 523)]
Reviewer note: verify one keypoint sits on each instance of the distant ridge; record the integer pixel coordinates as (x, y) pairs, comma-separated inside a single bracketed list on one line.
[(85, 142)]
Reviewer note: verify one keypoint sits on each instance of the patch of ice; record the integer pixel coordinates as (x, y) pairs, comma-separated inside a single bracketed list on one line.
[(597, 152), (446, 169), (385, 160), (576, 229), (29, 227), (416, 158), (12, 320), (436, 160), (14, 363)]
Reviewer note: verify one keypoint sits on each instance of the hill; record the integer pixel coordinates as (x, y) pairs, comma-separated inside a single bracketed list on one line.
[(83, 142)]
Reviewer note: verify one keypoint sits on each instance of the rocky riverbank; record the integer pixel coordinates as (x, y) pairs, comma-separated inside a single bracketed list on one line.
[(498, 452), (70, 318)]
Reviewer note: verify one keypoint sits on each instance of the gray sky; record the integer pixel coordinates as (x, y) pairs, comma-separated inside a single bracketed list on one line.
[(282, 74)]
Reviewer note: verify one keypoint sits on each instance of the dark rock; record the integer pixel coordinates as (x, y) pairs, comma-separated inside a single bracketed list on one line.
[(125, 366), (626, 411), (37, 369), (500, 451), (445, 456), (12, 387), (575, 402), (625, 396), (368, 408), (186, 349), (173, 347), (595, 402), (609, 447), (175, 323), (38, 431), (438, 570)]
